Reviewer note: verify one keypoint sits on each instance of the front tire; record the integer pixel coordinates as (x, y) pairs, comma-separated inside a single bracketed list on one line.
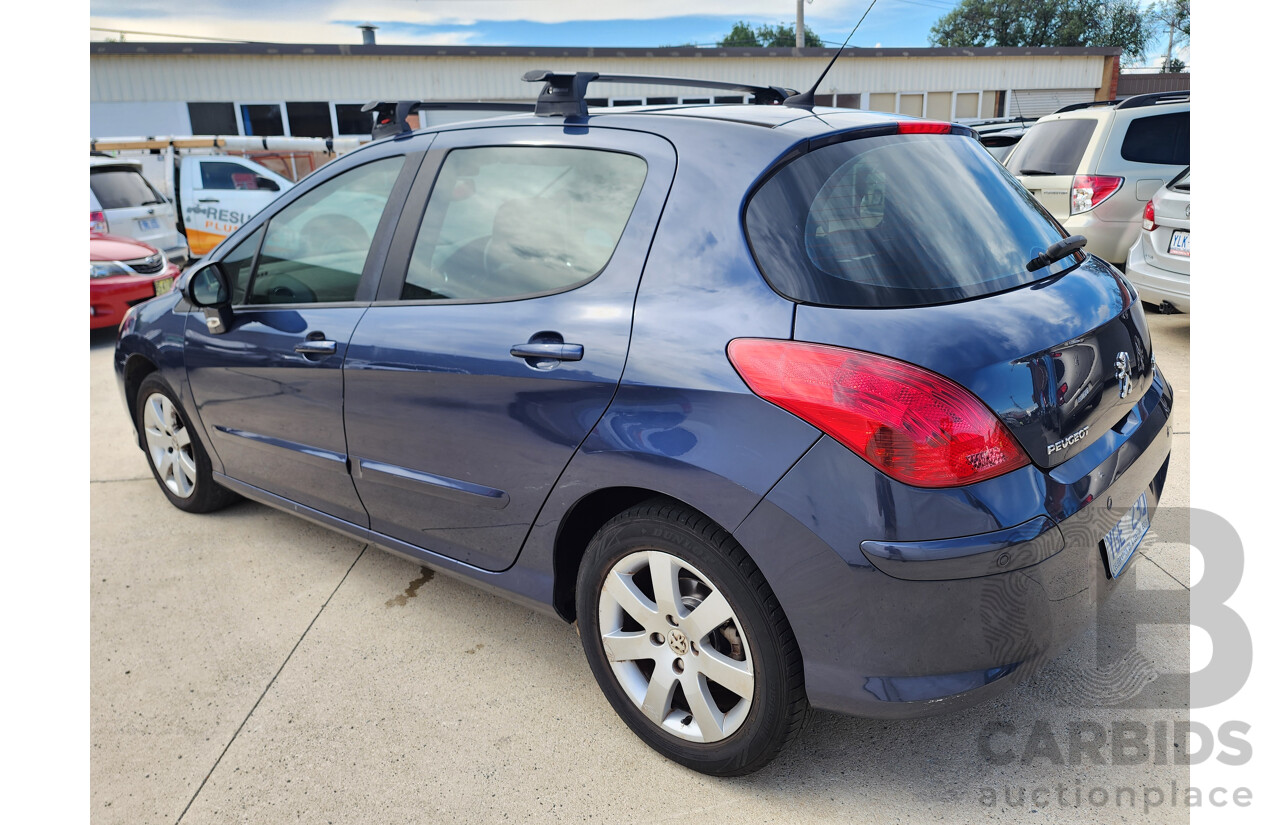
[(688, 641), (177, 458)]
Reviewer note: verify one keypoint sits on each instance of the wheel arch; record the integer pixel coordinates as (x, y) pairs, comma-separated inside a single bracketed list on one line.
[(136, 368), (580, 524)]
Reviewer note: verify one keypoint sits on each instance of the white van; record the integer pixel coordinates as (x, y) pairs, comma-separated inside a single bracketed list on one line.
[(215, 193), (122, 202)]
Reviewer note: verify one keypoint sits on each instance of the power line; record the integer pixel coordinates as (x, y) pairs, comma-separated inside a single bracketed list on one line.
[(162, 34)]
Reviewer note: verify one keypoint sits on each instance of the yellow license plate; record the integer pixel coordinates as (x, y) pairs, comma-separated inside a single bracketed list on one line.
[(164, 285)]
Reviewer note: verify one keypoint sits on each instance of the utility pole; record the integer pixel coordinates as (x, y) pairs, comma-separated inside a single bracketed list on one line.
[(800, 24), (1168, 55)]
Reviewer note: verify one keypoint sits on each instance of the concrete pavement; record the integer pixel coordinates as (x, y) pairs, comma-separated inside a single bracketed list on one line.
[(250, 667)]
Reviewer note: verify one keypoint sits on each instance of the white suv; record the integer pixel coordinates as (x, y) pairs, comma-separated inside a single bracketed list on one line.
[(1094, 166), (122, 202)]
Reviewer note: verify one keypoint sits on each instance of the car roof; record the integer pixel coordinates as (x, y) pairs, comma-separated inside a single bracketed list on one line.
[(98, 160)]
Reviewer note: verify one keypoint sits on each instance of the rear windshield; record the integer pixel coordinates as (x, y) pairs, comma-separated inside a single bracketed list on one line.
[(1053, 147), (897, 221), (122, 188)]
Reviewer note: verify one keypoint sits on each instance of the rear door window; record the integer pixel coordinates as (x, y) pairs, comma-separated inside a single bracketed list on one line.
[(122, 187), (1053, 147), (1163, 139), (897, 221)]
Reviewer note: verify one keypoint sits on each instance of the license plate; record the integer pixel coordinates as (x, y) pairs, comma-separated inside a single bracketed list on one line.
[(147, 224), (1180, 243), (1125, 537), (164, 285)]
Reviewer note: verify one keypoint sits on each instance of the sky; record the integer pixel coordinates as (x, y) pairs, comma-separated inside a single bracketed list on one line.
[(513, 22)]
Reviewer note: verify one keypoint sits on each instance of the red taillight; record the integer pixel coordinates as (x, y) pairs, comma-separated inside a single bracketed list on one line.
[(912, 424), (1087, 191), (923, 127), (1149, 216), (97, 222)]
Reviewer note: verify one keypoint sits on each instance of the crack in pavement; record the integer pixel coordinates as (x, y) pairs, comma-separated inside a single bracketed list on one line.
[(243, 722)]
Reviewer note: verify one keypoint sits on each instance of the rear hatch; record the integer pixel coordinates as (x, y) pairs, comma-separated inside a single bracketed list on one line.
[(916, 246), (1047, 159), (132, 206), (1168, 246)]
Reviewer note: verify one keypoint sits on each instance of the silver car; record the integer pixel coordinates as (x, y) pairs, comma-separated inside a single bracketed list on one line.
[(1159, 262), (123, 202), (1095, 165)]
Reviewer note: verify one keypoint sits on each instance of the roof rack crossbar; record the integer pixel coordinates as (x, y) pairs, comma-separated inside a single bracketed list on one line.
[(391, 117), (565, 94)]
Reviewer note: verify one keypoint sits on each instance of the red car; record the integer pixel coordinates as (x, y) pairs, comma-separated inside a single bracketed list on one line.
[(123, 272)]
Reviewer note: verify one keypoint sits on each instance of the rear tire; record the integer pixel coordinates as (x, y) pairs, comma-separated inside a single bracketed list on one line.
[(177, 459), (688, 641)]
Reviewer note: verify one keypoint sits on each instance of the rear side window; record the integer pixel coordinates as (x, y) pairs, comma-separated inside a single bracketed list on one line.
[(1053, 147), (897, 221), (1164, 139), (122, 187), (506, 222)]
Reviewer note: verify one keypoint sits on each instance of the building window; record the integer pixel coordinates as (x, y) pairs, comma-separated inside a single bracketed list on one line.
[(309, 119), (212, 118), (262, 119), (729, 98), (352, 121)]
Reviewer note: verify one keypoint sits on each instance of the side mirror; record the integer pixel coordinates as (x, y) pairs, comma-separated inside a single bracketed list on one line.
[(207, 288), (267, 184)]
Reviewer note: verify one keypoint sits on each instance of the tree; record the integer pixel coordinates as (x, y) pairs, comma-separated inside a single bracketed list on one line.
[(1174, 17), (740, 35), (1117, 23), (782, 35), (1173, 65)]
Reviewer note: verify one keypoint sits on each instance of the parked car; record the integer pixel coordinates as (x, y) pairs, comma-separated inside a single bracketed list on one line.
[(1094, 166), (1160, 260), (124, 272), (778, 425), (123, 203), (1000, 134)]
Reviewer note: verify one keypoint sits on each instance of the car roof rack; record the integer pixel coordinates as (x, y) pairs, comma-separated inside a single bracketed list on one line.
[(562, 95), (1155, 98), (565, 94), (1088, 104), (1151, 99)]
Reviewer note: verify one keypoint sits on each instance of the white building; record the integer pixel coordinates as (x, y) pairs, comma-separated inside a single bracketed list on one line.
[(317, 90)]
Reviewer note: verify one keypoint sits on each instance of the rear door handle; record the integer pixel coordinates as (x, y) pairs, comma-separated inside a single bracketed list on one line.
[(317, 347), (209, 200), (554, 352)]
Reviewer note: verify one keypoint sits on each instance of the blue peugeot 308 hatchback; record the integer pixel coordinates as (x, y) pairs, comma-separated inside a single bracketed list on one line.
[(785, 407)]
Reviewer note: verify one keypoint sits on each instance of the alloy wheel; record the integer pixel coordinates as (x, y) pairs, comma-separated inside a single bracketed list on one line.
[(676, 646), (169, 445)]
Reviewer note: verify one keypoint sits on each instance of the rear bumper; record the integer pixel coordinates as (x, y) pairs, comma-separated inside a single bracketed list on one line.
[(1109, 240), (1157, 285), (903, 625)]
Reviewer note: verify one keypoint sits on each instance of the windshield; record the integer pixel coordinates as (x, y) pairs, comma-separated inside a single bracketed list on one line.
[(1052, 147), (897, 221)]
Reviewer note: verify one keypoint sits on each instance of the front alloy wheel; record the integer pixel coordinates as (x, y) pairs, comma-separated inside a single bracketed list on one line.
[(169, 445)]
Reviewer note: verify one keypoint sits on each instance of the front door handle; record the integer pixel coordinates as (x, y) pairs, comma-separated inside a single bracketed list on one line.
[(553, 352), (209, 200), (317, 347)]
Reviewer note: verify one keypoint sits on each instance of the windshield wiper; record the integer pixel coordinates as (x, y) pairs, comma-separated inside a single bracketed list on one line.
[(1037, 172), (1056, 252)]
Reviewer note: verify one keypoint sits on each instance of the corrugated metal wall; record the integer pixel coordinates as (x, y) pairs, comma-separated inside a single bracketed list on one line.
[(1041, 102), (132, 78)]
